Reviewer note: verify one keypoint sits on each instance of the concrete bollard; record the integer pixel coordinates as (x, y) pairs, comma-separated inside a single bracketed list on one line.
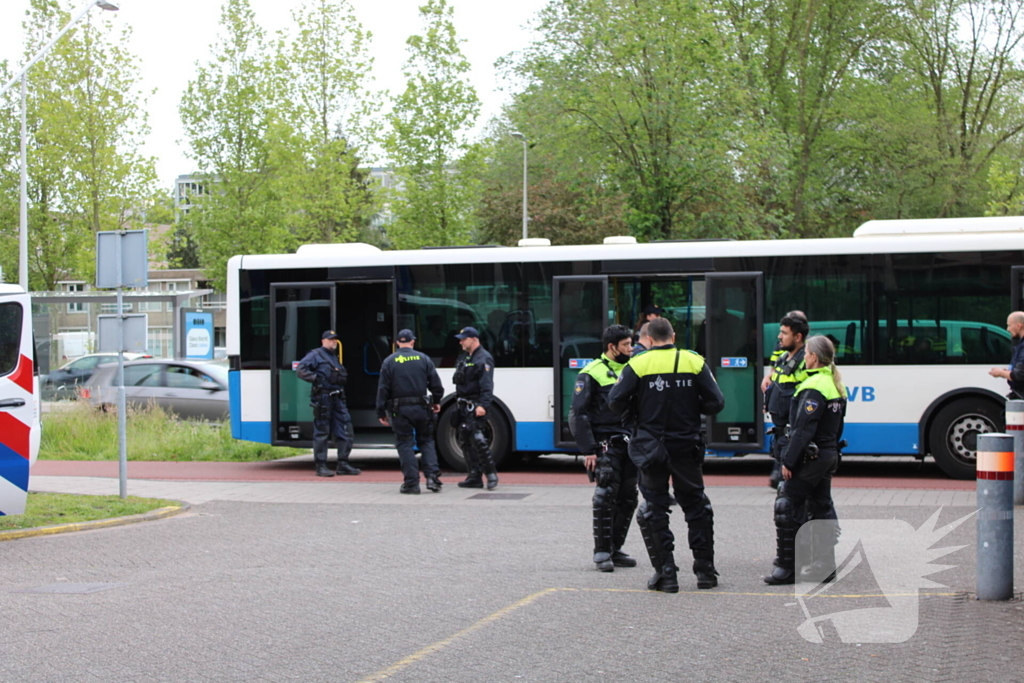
[(995, 517), (1015, 427)]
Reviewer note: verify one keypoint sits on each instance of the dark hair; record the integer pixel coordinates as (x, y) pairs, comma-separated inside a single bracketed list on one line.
[(660, 330), (613, 334), (796, 325)]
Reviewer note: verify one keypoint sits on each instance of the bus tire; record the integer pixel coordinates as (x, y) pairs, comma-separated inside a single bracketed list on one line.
[(953, 434), (498, 434)]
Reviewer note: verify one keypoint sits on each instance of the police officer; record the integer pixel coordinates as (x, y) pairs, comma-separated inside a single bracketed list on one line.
[(474, 386), (663, 392), (330, 414), (809, 460), (1014, 374), (789, 370), (402, 403), (601, 437), (643, 341)]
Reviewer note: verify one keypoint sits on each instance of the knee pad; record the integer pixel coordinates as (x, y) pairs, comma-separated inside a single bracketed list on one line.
[(785, 513)]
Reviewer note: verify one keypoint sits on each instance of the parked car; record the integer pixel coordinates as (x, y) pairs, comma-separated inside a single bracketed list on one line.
[(188, 389), (63, 383)]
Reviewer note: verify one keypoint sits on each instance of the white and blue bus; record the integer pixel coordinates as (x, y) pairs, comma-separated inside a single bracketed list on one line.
[(916, 309)]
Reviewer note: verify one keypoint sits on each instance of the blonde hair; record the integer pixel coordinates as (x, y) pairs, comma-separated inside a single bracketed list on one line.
[(821, 347)]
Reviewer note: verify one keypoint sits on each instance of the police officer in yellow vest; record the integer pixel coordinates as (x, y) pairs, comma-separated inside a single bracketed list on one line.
[(809, 460), (601, 437), (662, 394), (789, 370)]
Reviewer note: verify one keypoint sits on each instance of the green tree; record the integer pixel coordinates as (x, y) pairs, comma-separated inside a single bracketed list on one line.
[(86, 124), (332, 111), (437, 168), (232, 116)]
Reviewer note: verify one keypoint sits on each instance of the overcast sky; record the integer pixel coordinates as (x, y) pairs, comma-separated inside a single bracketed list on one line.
[(169, 37)]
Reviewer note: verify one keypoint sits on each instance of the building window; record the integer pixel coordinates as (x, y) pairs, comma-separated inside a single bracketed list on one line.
[(76, 306)]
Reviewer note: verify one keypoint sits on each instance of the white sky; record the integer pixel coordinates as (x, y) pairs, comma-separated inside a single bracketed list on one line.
[(169, 37)]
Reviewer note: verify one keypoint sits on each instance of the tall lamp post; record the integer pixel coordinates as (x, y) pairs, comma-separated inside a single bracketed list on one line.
[(23, 77), (522, 137)]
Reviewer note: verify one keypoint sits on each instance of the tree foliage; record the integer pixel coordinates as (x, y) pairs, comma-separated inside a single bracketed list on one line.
[(438, 170), (86, 122)]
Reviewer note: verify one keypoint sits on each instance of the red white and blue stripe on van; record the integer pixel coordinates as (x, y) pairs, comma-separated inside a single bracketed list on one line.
[(15, 440)]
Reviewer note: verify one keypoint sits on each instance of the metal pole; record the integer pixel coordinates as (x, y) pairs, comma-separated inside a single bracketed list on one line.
[(1015, 426), (122, 417), (995, 517), (525, 218), (23, 189)]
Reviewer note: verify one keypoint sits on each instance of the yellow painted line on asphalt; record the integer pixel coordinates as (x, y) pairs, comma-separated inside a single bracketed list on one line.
[(441, 644), (158, 513), (417, 656)]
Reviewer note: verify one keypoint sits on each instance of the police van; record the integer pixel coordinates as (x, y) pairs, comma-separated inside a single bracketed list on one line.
[(19, 399)]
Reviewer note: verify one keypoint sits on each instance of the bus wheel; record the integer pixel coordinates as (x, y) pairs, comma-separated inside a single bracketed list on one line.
[(953, 435), (497, 434)]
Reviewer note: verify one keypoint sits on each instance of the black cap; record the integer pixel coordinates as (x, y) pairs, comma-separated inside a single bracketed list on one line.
[(651, 308), (329, 334), (467, 332), (406, 336)]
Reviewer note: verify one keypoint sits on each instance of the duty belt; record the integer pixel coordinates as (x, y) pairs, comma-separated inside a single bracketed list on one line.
[(409, 401), (466, 403)]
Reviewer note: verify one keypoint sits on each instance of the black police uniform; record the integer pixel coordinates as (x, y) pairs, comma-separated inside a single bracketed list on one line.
[(663, 393), (599, 431), (474, 386), (812, 455), (1016, 379), (330, 414), (789, 370), (405, 377)]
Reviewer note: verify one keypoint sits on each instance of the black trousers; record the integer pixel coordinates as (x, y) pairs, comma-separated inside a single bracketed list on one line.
[(683, 469), (331, 418), (811, 485), (473, 442), (615, 494), (415, 426)]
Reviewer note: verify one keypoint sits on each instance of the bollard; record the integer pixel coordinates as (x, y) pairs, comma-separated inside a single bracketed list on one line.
[(995, 517), (1015, 427)]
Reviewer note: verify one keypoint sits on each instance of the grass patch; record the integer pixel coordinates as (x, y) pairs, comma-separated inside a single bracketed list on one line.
[(80, 432), (49, 509)]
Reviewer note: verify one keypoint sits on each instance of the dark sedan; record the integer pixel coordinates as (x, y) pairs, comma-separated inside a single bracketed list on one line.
[(188, 389)]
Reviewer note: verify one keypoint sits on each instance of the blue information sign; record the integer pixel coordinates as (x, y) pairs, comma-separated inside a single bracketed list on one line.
[(734, 362), (198, 335)]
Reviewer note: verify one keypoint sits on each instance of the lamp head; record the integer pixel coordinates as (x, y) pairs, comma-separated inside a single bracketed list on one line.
[(518, 135), (107, 5)]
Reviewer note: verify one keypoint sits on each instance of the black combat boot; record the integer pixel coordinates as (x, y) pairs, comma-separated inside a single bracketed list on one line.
[(322, 470), (344, 467), (492, 481), (603, 538), (666, 579), (472, 481), (434, 483), (707, 575), (783, 574), (659, 549), (621, 559), (413, 489)]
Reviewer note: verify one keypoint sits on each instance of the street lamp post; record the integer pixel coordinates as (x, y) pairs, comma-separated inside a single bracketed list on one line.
[(23, 77), (522, 137)]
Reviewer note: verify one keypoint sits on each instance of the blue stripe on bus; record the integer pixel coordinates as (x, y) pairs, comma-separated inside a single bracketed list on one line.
[(235, 403), (536, 436), (254, 431)]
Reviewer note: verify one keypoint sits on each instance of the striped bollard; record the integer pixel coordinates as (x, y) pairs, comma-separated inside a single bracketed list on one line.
[(1015, 426), (995, 517)]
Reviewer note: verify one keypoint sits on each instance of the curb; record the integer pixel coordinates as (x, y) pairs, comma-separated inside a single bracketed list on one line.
[(159, 513)]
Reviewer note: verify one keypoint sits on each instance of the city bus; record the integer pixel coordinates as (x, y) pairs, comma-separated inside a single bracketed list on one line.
[(915, 309), (19, 399)]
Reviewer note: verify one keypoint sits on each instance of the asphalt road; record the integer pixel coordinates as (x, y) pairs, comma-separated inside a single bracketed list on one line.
[(465, 587)]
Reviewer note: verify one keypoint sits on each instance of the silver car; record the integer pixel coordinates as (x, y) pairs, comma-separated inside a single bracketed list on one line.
[(188, 389)]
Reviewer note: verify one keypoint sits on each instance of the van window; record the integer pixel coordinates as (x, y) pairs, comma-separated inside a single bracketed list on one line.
[(10, 337)]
